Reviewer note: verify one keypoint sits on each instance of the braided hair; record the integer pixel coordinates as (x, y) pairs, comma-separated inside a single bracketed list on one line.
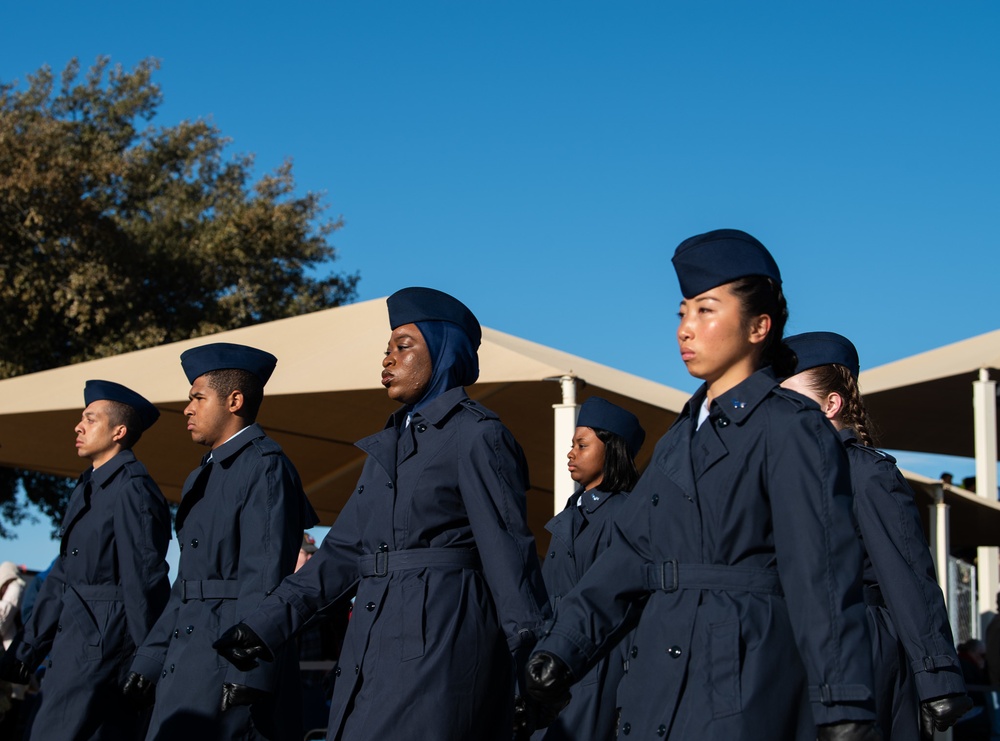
[(836, 379)]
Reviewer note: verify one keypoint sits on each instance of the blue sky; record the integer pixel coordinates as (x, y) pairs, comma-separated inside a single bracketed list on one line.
[(541, 160)]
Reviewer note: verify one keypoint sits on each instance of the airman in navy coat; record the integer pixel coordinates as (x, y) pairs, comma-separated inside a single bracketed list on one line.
[(109, 583), (918, 679), (602, 461), (240, 525), (738, 548), (434, 538)]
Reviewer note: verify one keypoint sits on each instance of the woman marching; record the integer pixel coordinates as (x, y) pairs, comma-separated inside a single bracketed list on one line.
[(602, 463), (449, 589), (918, 679), (737, 549)]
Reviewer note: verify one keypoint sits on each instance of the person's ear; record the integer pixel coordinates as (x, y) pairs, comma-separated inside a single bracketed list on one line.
[(833, 405), (760, 327), (235, 401)]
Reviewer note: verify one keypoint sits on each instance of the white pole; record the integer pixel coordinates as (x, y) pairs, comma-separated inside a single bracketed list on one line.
[(940, 540), (565, 425), (984, 399)]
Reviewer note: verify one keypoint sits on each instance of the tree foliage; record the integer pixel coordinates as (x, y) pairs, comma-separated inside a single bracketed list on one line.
[(117, 235)]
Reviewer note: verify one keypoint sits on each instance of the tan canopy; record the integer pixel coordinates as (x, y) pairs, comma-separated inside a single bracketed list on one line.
[(924, 402), (324, 395)]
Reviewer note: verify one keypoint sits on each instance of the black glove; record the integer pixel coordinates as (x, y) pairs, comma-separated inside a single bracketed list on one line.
[(240, 646), (530, 714), (12, 669), (240, 694), (942, 713), (849, 731), (140, 690), (548, 679)]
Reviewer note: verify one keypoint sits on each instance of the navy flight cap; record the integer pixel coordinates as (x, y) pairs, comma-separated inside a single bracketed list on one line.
[(222, 355), (708, 260), (813, 349), (601, 414), (412, 305), (111, 391)]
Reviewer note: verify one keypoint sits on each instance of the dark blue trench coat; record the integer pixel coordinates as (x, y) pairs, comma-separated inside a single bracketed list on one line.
[(449, 588), (740, 550), (581, 533), (103, 594), (240, 526), (913, 649)]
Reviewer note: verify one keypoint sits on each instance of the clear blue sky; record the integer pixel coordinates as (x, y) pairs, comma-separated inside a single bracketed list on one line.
[(541, 160)]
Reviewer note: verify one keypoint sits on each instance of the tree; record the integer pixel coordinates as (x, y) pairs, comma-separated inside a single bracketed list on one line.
[(115, 237)]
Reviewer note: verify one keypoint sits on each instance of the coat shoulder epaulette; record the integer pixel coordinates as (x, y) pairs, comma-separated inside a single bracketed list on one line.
[(267, 446), (478, 410), (875, 453), (798, 401)]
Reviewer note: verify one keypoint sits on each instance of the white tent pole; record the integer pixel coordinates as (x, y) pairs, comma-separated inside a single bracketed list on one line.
[(565, 425), (984, 399), (940, 540)]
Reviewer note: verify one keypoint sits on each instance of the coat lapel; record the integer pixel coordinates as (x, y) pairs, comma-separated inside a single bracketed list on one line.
[(79, 503)]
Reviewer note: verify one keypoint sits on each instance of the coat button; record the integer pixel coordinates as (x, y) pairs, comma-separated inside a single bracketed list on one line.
[(176, 633), (164, 673), (383, 547), (674, 651), (627, 729), (370, 606), (181, 545), (361, 488), (421, 428), (552, 554), (189, 630), (389, 484), (662, 730), (357, 669), (194, 542), (59, 628), (634, 652), (75, 551), (171, 668), (656, 499), (722, 421), (336, 672)]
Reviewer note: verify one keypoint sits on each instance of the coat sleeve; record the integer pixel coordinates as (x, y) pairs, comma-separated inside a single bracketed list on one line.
[(322, 581), (40, 630), (270, 535), (819, 562), (591, 618), (152, 653), (142, 533), (492, 480), (894, 540)]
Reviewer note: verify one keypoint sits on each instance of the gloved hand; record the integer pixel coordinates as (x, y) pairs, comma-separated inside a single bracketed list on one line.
[(140, 690), (240, 694), (548, 679), (530, 715), (240, 646), (942, 713), (849, 731), (13, 669)]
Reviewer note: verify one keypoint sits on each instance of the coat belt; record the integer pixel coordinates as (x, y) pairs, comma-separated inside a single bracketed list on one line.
[(670, 576), (381, 563), (205, 589), (97, 592)]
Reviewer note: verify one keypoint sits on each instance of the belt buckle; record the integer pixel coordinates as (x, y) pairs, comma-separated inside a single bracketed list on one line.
[(381, 563), (674, 575)]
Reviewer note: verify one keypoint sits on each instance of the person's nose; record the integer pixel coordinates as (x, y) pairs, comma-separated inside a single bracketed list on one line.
[(79, 428), (189, 409), (388, 360)]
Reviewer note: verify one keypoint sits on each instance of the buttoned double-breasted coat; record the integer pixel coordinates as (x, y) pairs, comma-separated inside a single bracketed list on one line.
[(581, 533), (913, 649), (740, 550), (449, 587), (104, 591), (240, 526)]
